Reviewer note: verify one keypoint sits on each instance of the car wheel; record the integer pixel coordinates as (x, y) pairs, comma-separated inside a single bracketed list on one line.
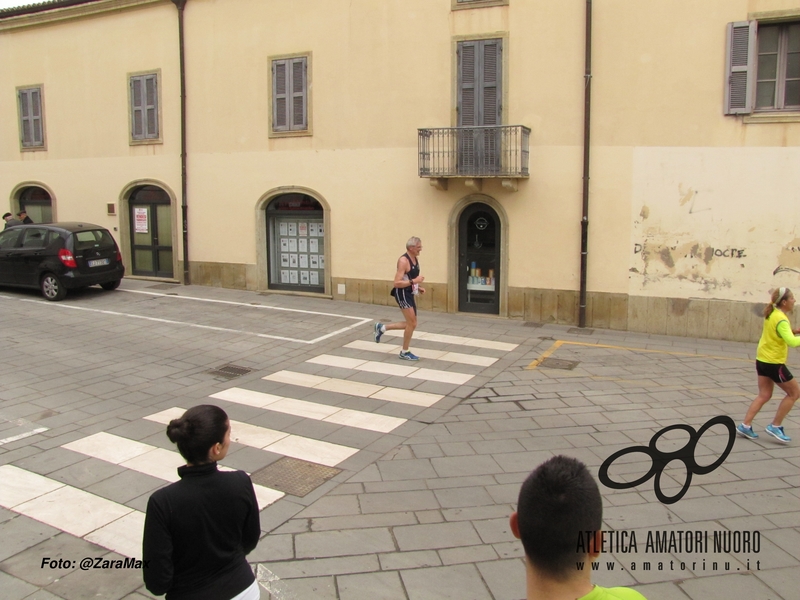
[(52, 288), (110, 285)]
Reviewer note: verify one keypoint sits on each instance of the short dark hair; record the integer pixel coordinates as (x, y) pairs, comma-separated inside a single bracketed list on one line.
[(7, 215), (197, 430), (558, 503), (22, 212)]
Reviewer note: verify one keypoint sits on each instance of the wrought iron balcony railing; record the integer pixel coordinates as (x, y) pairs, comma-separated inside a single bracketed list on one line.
[(488, 151)]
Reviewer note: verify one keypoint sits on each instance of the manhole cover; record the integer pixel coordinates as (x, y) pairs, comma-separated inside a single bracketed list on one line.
[(230, 371), (557, 363), (163, 286), (580, 331), (293, 476), (532, 324)]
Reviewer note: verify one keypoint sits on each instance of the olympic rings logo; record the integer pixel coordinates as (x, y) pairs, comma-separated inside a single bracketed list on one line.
[(661, 459)]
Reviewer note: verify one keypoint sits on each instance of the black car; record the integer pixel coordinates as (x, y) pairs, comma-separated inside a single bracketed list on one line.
[(57, 257)]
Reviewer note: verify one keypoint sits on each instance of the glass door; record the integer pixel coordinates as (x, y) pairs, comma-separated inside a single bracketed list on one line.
[(479, 260), (151, 233)]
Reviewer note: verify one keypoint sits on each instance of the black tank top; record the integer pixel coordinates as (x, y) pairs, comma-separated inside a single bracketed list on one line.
[(414, 271)]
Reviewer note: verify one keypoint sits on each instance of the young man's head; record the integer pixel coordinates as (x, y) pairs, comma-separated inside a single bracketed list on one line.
[(558, 504)]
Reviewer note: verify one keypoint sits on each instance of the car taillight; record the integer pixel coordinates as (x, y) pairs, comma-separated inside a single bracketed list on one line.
[(65, 256), (119, 256)]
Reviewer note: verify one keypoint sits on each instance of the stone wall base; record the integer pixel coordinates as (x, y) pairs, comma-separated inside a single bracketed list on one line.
[(695, 318)]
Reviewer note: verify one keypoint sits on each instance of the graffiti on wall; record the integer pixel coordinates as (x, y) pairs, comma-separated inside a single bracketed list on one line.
[(691, 261), (706, 224)]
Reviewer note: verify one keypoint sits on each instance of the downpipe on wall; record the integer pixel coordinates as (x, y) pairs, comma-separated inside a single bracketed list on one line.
[(587, 118), (180, 4)]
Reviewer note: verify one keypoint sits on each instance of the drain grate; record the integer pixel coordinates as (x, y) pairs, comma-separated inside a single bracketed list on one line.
[(557, 363), (163, 286), (230, 371), (580, 331), (294, 476)]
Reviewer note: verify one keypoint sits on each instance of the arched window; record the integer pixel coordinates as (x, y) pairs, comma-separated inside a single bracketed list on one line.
[(37, 203), (296, 243)]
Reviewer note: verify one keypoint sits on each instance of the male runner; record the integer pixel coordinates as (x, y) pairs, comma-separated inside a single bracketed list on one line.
[(406, 287)]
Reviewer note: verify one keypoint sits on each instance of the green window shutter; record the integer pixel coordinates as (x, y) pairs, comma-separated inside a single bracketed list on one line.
[(280, 96), (151, 106), (137, 108), (299, 87), (739, 66)]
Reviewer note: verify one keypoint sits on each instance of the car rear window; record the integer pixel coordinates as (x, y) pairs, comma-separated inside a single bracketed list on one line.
[(94, 238)]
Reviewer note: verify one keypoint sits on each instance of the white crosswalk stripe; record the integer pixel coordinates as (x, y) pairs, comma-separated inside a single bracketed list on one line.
[(150, 460), (355, 388), (454, 339), (372, 366), (95, 519), (311, 410), (454, 357), (286, 444)]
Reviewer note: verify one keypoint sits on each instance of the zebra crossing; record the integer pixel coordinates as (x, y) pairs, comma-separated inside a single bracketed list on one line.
[(118, 527)]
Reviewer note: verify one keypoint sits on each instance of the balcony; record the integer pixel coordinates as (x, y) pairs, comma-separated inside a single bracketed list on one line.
[(474, 153)]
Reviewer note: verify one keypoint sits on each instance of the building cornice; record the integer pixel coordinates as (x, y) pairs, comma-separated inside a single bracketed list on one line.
[(66, 13)]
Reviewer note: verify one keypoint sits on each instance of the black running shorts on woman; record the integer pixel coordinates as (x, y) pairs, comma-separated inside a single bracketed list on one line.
[(778, 373)]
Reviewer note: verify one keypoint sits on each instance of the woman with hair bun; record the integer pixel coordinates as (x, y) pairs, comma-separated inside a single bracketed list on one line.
[(773, 351), (198, 530)]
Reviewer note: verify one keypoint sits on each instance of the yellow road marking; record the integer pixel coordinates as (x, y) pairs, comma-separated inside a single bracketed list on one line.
[(556, 345), (545, 354)]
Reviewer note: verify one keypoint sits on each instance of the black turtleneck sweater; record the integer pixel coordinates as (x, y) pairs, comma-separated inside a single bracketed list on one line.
[(197, 532)]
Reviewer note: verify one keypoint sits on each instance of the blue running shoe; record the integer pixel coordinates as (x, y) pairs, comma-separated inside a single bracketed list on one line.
[(747, 432), (378, 332), (406, 355), (777, 433)]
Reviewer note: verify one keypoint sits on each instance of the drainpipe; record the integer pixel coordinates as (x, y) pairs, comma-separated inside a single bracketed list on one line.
[(586, 129), (180, 4)]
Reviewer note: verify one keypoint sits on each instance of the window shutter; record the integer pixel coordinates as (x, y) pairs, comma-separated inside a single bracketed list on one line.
[(299, 95), (490, 82), (280, 105), (137, 109), (30, 112), (467, 75), (740, 63), (151, 106), (25, 118), (36, 116)]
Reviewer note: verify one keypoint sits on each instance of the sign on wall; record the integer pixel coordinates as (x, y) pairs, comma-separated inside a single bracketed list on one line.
[(140, 220)]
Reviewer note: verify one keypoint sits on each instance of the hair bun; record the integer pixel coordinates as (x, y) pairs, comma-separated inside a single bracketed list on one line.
[(179, 429)]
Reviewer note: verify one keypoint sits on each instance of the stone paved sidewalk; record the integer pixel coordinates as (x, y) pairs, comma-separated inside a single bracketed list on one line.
[(421, 512), (430, 518)]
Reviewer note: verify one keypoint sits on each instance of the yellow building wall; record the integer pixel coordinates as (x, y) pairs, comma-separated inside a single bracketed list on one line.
[(677, 188)]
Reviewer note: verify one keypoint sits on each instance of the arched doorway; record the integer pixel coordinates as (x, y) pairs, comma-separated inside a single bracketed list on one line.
[(37, 203), (295, 243), (151, 232), (479, 260)]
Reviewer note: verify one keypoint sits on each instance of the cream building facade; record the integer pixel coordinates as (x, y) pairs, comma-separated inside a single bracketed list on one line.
[(320, 136)]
